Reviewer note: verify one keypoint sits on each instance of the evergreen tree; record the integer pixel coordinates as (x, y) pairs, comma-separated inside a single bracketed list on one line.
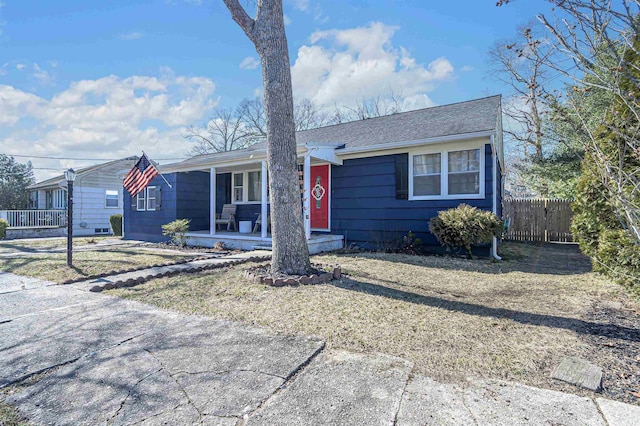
[(14, 179)]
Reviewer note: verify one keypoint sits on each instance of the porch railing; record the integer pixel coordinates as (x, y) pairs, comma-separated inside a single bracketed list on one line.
[(35, 218)]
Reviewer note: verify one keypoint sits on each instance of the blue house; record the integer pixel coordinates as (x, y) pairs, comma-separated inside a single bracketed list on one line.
[(369, 182)]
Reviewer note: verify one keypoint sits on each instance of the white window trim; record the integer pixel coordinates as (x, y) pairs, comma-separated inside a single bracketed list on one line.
[(444, 172), (155, 198), (245, 186), (145, 197), (59, 199), (118, 199)]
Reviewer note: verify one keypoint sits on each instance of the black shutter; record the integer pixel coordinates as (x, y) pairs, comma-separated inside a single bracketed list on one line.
[(402, 176), (158, 197)]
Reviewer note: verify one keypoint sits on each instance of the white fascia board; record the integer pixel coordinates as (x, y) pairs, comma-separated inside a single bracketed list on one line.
[(228, 159), (324, 152), (412, 143)]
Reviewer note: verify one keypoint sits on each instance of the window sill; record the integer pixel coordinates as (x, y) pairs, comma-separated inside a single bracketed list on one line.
[(447, 197)]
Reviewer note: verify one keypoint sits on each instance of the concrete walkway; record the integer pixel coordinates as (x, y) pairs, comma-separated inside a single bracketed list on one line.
[(69, 356)]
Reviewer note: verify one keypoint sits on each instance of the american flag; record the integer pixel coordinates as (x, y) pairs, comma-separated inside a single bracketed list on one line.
[(139, 176)]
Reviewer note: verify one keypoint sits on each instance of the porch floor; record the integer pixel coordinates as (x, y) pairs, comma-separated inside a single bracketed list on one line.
[(319, 242)]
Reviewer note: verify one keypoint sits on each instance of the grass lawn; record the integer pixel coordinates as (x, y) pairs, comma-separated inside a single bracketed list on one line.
[(53, 267), (453, 318), (9, 416), (17, 246)]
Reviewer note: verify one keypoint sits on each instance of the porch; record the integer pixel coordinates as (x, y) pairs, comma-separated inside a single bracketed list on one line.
[(35, 223), (317, 242), (244, 184)]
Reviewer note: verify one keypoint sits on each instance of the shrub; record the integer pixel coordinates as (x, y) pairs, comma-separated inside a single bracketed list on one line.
[(3, 228), (465, 226), (411, 244), (116, 224), (177, 230), (600, 232)]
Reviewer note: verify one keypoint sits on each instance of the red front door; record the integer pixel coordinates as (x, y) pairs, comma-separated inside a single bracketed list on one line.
[(319, 199)]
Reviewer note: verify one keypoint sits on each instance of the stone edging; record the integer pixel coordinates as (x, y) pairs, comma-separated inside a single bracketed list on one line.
[(131, 282), (334, 273), (140, 268)]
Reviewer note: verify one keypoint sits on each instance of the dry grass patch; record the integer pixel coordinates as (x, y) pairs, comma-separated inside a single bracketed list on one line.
[(9, 416), (453, 318), (53, 267), (17, 246)]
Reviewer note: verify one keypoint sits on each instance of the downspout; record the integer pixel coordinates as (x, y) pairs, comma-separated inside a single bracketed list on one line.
[(494, 158)]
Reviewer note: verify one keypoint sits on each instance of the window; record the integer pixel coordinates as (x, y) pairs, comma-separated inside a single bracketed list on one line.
[(148, 199), (33, 200), (247, 187), (464, 172), (151, 198), (426, 174), (57, 199), (255, 186), (112, 198), (452, 174), (238, 192), (141, 200)]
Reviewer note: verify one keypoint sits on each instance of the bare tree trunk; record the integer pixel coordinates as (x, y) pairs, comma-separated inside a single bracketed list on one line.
[(266, 31)]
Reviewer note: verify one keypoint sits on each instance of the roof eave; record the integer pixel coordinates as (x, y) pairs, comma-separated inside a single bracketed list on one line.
[(224, 160), (417, 142)]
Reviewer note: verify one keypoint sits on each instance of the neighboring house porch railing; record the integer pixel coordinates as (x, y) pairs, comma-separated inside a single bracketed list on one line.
[(35, 218)]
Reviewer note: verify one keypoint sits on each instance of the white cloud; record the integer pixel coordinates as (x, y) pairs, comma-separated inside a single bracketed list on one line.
[(319, 15), (110, 117), (301, 5), (249, 63), (130, 36), (342, 66), (43, 76), (20, 67), (258, 92), (287, 20), (466, 68)]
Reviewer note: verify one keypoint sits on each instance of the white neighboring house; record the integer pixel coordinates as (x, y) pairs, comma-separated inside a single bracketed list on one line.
[(97, 194)]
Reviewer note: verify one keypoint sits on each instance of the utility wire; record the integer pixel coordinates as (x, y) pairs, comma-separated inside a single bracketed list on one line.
[(87, 159)]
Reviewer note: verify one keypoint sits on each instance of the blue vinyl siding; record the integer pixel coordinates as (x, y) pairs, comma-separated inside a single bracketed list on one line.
[(193, 202), (146, 225), (365, 210)]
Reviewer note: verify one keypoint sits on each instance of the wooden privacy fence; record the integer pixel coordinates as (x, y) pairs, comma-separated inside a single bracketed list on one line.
[(538, 220)]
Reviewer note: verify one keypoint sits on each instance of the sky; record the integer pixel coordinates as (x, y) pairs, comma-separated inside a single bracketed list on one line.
[(83, 82)]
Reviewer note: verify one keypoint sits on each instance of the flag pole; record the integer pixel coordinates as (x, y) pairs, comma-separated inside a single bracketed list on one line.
[(161, 175)]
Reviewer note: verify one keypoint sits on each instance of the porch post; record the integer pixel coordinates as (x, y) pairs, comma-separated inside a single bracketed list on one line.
[(263, 206), (307, 196), (212, 201)]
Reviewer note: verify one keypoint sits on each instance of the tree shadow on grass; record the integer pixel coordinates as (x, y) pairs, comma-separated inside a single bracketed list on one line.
[(541, 258), (528, 318)]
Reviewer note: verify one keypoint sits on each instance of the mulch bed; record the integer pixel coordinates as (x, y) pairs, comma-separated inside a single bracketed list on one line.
[(319, 274), (618, 351)]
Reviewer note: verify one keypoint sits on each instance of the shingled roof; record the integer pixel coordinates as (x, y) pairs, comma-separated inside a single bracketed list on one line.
[(80, 172), (477, 115)]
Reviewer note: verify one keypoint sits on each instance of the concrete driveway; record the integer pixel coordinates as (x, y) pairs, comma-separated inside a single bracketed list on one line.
[(69, 356)]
